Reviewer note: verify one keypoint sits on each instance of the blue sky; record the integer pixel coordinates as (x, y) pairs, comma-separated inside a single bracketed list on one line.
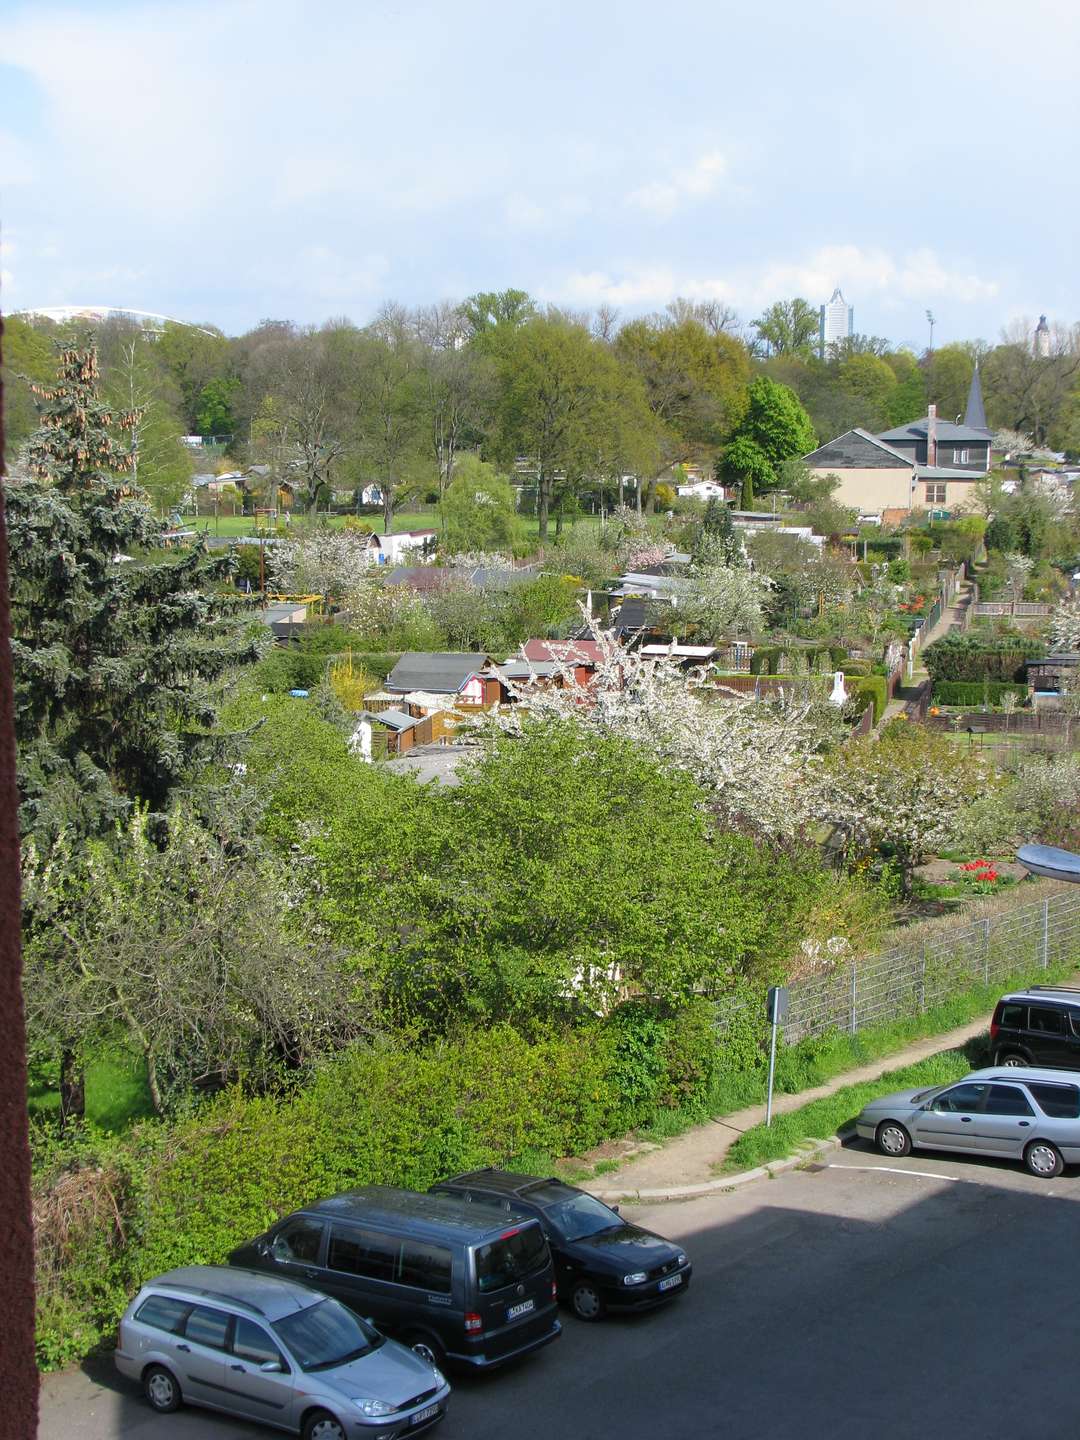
[(242, 159)]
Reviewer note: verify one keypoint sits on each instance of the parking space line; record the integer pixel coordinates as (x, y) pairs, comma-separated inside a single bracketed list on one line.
[(893, 1170)]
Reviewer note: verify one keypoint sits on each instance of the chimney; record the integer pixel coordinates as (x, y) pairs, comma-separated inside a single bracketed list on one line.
[(931, 435)]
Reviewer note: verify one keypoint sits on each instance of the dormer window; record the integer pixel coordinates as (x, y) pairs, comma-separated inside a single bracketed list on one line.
[(961, 457)]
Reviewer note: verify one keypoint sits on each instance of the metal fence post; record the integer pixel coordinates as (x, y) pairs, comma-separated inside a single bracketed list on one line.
[(853, 1025), (986, 950), (1046, 934)]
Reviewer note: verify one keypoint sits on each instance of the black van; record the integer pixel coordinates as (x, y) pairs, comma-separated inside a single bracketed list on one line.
[(454, 1282)]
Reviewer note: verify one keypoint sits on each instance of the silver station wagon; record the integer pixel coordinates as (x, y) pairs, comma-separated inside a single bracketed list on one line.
[(1030, 1115), (272, 1350)]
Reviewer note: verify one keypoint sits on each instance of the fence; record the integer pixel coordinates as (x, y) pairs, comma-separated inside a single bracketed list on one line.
[(1017, 609), (910, 979), (950, 585)]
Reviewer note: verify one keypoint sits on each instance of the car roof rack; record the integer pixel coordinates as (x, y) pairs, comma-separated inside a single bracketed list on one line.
[(1069, 989)]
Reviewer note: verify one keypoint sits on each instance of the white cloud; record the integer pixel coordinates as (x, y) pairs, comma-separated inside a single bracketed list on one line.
[(861, 274), (663, 198)]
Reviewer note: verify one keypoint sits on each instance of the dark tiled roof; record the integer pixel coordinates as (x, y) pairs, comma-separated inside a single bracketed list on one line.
[(440, 674), (946, 430), (419, 577)]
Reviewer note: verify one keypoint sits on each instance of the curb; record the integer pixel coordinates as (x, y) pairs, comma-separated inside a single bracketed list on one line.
[(804, 1153)]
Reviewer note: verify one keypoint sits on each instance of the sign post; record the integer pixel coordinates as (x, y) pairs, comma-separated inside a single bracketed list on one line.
[(777, 1010)]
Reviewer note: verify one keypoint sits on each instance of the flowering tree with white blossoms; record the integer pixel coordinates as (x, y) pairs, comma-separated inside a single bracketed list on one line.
[(721, 600), (1065, 624), (761, 761), (320, 562)]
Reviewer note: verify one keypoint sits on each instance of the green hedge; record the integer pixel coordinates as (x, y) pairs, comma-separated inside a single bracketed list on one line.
[(974, 692), (873, 686), (971, 658), (117, 1211)]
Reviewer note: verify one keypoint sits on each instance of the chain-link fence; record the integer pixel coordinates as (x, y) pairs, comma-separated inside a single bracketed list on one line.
[(911, 978)]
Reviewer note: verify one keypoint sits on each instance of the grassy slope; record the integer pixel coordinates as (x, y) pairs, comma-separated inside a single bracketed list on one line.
[(822, 1118)]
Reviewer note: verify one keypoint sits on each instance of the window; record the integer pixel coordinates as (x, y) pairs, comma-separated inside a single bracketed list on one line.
[(426, 1266), (961, 457), (1012, 1017), (251, 1342), (935, 493), (364, 1252), (506, 1260), (1047, 1022), (961, 1099), (207, 1327), (1060, 1101), (1006, 1100), (299, 1240), (163, 1313)]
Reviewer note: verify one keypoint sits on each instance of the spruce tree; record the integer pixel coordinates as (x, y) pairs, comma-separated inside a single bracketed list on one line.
[(115, 649)]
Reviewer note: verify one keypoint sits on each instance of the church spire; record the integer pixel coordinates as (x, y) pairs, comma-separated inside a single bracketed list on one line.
[(975, 415)]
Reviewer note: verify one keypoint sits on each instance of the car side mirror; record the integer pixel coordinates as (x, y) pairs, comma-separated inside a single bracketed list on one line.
[(615, 1208), (271, 1367)]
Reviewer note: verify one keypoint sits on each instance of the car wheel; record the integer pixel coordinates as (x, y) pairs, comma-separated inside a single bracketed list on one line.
[(586, 1301), (1043, 1159), (321, 1425), (428, 1349), (892, 1139), (1012, 1060), (161, 1389)]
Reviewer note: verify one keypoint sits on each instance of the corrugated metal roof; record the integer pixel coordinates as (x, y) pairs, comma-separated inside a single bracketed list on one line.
[(396, 719)]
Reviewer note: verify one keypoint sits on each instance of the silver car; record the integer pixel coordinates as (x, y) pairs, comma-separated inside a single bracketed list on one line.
[(1031, 1115), (271, 1350)]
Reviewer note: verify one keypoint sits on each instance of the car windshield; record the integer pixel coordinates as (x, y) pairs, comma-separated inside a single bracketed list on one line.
[(325, 1335), (581, 1216)]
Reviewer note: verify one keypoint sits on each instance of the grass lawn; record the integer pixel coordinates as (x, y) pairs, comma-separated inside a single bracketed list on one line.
[(236, 525), (116, 1093), (822, 1118)]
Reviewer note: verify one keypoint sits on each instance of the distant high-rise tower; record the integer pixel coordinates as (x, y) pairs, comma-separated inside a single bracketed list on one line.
[(1042, 338), (837, 322)]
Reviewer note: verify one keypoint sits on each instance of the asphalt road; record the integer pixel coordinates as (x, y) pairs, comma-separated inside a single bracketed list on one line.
[(926, 1297)]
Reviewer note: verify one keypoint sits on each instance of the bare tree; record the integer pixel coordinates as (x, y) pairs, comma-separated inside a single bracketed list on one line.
[(459, 385), (388, 397)]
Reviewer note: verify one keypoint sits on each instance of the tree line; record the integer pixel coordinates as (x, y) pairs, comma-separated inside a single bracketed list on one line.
[(571, 404)]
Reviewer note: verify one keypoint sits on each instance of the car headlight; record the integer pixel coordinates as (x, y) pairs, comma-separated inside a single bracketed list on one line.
[(373, 1409), (681, 1258), (636, 1277), (440, 1378)]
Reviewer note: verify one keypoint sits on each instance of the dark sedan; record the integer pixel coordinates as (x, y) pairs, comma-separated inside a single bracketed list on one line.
[(602, 1262)]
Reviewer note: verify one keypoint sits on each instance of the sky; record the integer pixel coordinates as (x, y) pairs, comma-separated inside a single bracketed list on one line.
[(227, 161)]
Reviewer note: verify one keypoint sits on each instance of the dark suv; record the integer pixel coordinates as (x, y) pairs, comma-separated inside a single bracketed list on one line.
[(602, 1261), (1037, 1026), (456, 1283)]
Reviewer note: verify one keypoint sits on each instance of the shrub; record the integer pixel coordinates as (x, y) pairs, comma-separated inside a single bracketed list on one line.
[(874, 688), (971, 692), (113, 1212), (969, 657)]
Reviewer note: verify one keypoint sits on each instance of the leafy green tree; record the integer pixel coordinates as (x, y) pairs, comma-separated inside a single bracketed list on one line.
[(948, 377), (520, 893), (491, 314), (114, 652), (717, 538), (907, 400), (789, 327), (868, 379), (775, 428), (194, 356), (478, 509), (27, 356), (195, 955), (564, 404), (216, 398), (695, 381), (161, 464)]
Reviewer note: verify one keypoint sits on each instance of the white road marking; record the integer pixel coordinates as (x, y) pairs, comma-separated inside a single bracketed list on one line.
[(892, 1170)]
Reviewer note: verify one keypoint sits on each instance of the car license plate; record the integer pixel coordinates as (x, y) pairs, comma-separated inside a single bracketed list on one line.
[(670, 1282), (522, 1309), (428, 1413)]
